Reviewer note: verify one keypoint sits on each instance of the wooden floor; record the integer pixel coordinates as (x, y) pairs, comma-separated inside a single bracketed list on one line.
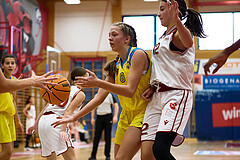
[(187, 151)]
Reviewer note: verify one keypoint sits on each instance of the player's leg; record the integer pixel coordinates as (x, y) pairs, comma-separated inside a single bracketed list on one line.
[(130, 144), (146, 150), (150, 124), (97, 136), (107, 134), (7, 149), (53, 156), (162, 145), (69, 155)]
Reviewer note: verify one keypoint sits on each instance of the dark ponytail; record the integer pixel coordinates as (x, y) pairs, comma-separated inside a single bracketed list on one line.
[(194, 23), (194, 20), (110, 68)]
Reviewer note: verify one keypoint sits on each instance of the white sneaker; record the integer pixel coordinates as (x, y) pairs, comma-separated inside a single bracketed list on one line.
[(28, 149)]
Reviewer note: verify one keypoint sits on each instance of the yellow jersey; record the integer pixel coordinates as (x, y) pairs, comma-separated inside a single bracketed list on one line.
[(6, 102), (136, 102)]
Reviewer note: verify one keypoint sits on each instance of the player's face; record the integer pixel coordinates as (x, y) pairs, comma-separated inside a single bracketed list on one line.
[(9, 65), (163, 14), (31, 100), (116, 38)]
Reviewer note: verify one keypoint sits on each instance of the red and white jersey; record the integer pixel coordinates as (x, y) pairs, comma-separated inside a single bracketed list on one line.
[(173, 68), (59, 110)]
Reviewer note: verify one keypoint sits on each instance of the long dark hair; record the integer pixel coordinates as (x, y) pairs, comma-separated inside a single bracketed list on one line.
[(28, 100), (110, 68)]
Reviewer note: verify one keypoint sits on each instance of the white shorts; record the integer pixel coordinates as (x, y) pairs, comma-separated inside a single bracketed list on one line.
[(167, 111), (50, 137)]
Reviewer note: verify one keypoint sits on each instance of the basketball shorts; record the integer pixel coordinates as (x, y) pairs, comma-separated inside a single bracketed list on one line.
[(167, 111), (128, 118), (7, 128), (50, 137)]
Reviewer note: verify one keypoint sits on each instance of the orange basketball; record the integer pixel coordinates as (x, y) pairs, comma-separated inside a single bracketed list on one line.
[(60, 92), (37, 140)]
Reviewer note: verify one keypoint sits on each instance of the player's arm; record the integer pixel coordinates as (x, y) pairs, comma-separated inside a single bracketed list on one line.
[(33, 129), (96, 101), (115, 115), (93, 117), (221, 58), (76, 102), (17, 119), (8, 85), (182, 39), (138, 62), (25, 109)]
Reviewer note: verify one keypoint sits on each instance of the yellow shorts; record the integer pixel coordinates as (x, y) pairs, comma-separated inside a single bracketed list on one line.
[(128, 118), (7, 128)]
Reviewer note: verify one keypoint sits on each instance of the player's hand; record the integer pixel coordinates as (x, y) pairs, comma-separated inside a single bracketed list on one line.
[(173, 10), (64, 119), (32, 130), (41, 81), (64, 136), (220, 59), (114, 120), (147, 95), (20, 127), (92, 121), (87, 82)]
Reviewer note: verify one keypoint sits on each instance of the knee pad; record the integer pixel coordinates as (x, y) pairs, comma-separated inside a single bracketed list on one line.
[(158, 149), (161, 147)]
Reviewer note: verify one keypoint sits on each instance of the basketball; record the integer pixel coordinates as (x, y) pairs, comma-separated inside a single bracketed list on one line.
[(60, 92), (37, 140)]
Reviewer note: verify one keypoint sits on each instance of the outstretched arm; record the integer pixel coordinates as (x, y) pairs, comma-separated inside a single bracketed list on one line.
[(76, 102), (96, 101), (139, 63), (221, 58), (8, 85)]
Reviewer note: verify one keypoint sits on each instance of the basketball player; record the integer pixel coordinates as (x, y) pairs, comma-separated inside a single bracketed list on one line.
[(56, 141), (221, 58), (129, 80), (172, 71), (8, 111), (30, 112), (7, 85)]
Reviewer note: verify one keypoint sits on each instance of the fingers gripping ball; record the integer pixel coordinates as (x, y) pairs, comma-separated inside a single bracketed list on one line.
[(60, 92)]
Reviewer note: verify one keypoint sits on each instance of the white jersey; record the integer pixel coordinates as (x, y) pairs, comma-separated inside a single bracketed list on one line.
[(172, 68), (59, 110), (30, 121), (106, 106), (169, 110), (50, 136)]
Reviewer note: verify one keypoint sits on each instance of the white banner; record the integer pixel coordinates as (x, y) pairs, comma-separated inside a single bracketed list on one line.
[(232, 66)]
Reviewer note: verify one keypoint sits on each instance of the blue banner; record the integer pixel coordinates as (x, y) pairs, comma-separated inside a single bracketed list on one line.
[(222, 82)]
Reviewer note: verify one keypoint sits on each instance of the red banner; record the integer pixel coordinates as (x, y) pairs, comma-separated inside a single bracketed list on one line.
[(226, 114)]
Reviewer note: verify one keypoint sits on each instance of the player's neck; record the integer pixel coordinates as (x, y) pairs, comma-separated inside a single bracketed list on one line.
[(7, 75)]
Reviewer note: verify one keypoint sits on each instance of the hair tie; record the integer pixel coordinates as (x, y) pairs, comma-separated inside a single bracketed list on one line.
[(185, 16)]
